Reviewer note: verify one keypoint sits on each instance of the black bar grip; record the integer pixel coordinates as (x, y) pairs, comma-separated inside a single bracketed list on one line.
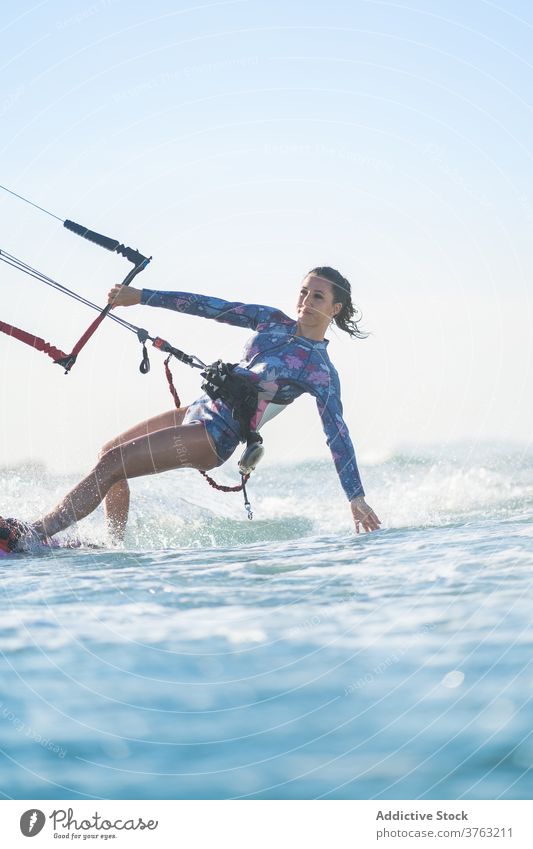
[(105, 242), (134, 256), (91, 236)]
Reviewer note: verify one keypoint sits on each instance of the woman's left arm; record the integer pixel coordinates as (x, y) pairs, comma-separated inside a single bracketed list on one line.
[(342, 450)]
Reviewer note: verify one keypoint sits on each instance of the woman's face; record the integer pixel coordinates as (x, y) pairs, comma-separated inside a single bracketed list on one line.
[(315, 301)]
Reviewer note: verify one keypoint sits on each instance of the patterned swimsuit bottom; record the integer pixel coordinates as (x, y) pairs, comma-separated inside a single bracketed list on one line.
[(221, 427)]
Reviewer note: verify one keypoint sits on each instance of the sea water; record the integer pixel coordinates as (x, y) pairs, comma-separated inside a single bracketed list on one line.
[(286, 657)]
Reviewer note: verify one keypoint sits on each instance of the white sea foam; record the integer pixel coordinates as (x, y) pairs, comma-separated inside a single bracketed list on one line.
[(212, 654)]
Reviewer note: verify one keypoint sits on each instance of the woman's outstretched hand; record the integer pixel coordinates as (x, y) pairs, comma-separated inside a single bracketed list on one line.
[(364, 515), (124, 296)]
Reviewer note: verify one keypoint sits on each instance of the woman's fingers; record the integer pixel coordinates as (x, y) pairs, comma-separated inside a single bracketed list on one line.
[(365, 516), (113, 294), (124, 296), (371, 522)]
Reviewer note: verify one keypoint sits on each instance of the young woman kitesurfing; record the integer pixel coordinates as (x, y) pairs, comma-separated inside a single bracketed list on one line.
[(284, 359)]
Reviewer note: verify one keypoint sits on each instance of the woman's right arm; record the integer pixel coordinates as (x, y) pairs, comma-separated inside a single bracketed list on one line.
[(205, 306)]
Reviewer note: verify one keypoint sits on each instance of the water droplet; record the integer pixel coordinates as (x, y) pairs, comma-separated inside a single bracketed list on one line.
[(453, 679)]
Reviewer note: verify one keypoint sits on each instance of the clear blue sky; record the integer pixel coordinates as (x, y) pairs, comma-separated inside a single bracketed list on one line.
[(242, 143)]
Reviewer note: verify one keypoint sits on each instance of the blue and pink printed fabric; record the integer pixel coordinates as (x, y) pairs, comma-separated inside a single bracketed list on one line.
[(283, 364)]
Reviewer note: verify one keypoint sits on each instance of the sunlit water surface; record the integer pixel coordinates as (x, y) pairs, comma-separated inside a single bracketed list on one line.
[(214, 657)]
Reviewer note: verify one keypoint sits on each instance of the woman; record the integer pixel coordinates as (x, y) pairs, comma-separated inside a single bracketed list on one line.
[(284, 359)]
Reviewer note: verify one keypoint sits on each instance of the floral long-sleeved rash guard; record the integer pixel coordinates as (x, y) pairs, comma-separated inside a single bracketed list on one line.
[(283, 364)]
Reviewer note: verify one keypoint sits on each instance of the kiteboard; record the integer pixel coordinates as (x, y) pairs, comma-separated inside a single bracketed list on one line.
[(13, 530)]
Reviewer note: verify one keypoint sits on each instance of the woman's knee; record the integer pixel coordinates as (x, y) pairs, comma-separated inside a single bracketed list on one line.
[(113, 445), (108, 446), (109, 469)]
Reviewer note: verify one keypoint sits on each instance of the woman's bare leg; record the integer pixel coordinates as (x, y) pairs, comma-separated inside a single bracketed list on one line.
[(170, 448), (117, 500)]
